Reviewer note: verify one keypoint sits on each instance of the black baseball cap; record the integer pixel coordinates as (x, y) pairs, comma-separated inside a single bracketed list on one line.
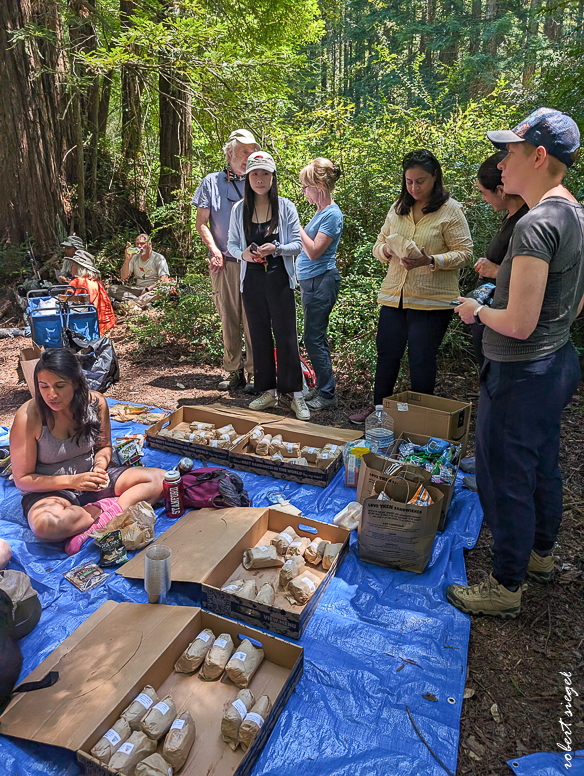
[(557, 132)]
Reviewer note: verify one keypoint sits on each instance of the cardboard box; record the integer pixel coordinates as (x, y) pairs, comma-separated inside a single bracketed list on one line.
[(130, 645), (372, 471), (243, 421), (27, 362), (418, 413), (446, 490), (207, 550), (182, 418), (395, 533), (241, 457)]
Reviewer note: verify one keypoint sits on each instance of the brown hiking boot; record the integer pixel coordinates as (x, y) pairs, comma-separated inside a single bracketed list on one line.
[(486, 597), (540, 569)]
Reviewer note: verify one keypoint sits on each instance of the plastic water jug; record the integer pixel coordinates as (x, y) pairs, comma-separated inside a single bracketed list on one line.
[(379, 431)]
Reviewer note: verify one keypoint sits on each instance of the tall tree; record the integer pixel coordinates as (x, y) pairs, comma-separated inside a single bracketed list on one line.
[(131, 92), (33, 100)]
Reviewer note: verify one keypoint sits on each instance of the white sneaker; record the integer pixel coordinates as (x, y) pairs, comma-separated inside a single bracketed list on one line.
[(264, 402), (299, 407)]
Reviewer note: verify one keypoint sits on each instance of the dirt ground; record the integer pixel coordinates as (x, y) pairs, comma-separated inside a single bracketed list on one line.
[(514, 695)]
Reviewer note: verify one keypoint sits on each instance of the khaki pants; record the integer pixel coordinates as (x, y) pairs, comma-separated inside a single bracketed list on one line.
[(227, 298)]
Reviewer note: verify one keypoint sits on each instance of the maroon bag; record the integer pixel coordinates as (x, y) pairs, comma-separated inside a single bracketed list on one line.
[(213, 488)]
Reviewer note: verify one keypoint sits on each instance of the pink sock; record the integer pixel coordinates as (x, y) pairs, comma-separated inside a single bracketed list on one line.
[(110, 508)]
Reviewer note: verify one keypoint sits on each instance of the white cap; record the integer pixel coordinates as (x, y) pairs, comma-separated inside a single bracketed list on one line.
[(260, 160), (243, 136)]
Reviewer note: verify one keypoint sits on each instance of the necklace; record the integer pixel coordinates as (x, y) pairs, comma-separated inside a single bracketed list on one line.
[(268, 213)]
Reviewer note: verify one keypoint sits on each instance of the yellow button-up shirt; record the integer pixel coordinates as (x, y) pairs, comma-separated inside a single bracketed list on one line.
[(443, 234)]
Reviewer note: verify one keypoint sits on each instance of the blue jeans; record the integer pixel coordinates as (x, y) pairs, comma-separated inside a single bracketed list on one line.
[(319, 295), (517, 450)]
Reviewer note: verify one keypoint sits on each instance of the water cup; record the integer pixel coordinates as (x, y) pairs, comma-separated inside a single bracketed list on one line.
[(157, 562)]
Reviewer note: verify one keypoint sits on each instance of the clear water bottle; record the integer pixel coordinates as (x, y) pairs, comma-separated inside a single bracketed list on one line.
[(379, 431)]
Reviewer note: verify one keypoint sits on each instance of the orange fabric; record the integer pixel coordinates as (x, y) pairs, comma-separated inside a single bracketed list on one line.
[(99, 298)]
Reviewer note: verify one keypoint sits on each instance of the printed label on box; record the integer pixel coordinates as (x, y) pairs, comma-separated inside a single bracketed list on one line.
[(402, 406)]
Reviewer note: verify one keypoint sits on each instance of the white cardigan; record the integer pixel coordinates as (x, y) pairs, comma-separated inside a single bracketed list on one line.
[(289, 233)]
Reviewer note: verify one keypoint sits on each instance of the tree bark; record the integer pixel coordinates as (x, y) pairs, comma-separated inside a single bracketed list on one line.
[(554, 18), (33, 196), (175, 153), (531, 33), (131, 94), (490, 17), (475, 36)]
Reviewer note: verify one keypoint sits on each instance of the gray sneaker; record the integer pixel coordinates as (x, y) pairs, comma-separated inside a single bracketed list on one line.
[(320, 402), (235, 380)]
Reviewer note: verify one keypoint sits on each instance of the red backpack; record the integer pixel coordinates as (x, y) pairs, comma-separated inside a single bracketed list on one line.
[(213, 488)]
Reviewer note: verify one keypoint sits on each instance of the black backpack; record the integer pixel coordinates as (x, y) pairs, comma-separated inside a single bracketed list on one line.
[(98, 360)]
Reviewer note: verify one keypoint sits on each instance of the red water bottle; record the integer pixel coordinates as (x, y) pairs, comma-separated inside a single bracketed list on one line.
[(173, 494)]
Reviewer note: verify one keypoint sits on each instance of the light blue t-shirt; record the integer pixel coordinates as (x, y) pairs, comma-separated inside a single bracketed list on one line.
[(330, 222)]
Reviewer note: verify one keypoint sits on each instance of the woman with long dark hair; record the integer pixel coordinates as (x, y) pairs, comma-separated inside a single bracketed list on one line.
[(416, 294), (60, 446), (264, 235), (491, 187)]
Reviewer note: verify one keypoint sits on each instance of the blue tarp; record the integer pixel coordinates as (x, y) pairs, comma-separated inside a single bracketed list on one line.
[(548, 764), (380, 640)]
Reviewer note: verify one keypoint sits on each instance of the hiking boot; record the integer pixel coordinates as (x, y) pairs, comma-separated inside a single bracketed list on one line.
[(486, 597), (235, 380), (300, 409), (264, 402), (309, 395), (250, 387), (471, 482), (541, 569), (360, 417), (468, 466), (320, 402)]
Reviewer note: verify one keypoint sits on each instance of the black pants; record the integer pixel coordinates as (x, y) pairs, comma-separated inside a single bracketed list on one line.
[(422, 331), (478, 329), (517, 449), (269, 306)]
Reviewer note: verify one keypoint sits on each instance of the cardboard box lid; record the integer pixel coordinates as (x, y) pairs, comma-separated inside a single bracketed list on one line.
[(292, 425), (199, 541), (98, 672)]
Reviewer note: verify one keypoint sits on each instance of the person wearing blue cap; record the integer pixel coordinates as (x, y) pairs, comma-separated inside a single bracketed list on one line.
[(531, 369)]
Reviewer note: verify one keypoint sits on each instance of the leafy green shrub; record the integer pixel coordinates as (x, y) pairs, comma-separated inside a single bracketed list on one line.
[(187, 318)]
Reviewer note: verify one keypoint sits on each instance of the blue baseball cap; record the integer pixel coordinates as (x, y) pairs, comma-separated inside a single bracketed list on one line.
[(552, 129)]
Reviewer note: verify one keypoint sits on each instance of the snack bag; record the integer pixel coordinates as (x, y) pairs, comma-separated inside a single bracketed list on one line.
[(179, 740), (234, 715)]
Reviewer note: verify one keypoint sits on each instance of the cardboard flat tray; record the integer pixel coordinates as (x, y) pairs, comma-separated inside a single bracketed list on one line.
[(244, 421), (207, 550), (182, 418), (122, 647)]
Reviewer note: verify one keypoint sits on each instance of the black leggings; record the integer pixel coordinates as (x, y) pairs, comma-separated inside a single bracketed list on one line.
[(269, 306), (422, 331)]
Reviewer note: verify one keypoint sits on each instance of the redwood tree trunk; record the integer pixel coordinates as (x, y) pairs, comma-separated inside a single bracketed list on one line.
[(131, 95), (33, 195), (175, 144)]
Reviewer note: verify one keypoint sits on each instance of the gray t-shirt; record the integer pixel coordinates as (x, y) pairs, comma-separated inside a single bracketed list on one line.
[(553, 231), (218, 195), (148, 272)]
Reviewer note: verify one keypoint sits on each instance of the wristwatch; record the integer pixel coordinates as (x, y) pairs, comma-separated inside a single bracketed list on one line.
[(476, 312), (278, 251), (432, 262)]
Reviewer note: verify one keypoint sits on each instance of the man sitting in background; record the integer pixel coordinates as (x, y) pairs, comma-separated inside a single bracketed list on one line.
[(145, 267)]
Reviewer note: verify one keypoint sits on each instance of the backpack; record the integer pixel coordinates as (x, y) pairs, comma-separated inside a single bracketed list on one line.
[(213, 488), (10, 653), (98, 360)]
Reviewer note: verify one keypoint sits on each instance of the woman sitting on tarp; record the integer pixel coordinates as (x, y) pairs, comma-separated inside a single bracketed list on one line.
[(61, 450), (85, 275)]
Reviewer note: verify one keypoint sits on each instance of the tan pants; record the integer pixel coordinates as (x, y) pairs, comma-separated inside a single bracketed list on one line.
[(227, 298)]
